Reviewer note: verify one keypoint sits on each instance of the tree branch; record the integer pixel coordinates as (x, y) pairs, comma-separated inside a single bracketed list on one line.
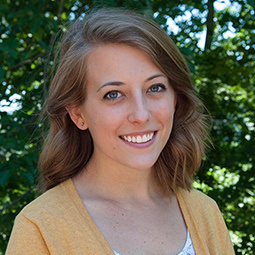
[(16, 201), (25, 62)]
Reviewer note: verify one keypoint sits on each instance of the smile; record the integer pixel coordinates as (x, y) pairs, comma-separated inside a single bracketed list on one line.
[(139, 138)]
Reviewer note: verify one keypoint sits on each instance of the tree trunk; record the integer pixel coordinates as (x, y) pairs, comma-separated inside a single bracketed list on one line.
[(148, 12), (209, 25)]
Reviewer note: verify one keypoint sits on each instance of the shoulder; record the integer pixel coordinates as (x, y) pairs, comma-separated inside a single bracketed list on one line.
[(194, 193), (49, 204), (205, 222), (200, 209), (198, 204), (194, 197)]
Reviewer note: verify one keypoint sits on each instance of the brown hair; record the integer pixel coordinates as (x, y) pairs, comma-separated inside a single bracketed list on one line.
[(67, 149)]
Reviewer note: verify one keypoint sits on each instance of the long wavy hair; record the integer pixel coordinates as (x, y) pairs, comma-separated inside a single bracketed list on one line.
[(67, 149)]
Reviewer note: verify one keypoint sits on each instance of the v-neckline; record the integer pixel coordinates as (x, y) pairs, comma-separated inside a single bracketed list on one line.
[(77, 201)]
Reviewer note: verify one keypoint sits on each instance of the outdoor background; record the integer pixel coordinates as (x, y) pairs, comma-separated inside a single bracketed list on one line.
[(217, 39)]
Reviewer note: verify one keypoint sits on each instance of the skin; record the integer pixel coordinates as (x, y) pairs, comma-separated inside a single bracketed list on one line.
[(128, 97)]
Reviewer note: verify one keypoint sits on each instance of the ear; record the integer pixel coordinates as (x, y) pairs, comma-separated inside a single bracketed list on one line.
[(77, 116)]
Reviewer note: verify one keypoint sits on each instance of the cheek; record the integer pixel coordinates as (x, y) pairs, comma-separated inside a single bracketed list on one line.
[(166, 118), (104, 119), (166, 109)]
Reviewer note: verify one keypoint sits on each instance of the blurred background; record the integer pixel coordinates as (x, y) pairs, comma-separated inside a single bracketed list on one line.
[(216, 37)]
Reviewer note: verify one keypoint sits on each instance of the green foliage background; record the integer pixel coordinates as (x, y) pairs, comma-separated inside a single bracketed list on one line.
[(223, 74)]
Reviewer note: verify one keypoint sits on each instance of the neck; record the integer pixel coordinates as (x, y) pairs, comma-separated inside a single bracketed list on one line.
[(117, 183)]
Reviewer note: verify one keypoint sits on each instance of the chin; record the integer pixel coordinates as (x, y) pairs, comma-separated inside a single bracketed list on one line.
[(142, 165)]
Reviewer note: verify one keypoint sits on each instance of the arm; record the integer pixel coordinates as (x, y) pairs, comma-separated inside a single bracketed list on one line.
[(26, 238)]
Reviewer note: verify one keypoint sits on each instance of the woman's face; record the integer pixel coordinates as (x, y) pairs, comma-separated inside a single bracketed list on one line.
[(129, 107)]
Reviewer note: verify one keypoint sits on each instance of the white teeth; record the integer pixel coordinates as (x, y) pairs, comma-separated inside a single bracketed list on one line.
[(138, 139)]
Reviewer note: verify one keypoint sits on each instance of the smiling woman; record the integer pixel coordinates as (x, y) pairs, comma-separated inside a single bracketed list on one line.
[(128, 98), (126, 137)]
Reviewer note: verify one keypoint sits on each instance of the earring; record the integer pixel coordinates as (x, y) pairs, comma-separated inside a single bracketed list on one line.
[(82, 124)]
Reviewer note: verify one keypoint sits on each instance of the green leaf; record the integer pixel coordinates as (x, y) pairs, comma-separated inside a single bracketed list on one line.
[(251, 2), (44, 45), (2, 73), (4, 177), (4, 7), (28, 177)]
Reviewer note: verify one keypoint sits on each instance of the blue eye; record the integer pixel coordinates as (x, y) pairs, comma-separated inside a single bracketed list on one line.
[(157, 88), (112, 95)]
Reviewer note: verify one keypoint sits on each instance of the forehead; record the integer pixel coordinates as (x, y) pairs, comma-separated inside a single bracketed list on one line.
[(119, 61)]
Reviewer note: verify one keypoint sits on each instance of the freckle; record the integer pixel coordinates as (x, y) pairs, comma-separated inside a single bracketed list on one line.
[(117, 222), (144, 241), (162, 243), (122, 214)]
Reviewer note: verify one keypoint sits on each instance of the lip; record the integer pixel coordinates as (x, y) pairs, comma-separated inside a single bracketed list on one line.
[(143, 144)]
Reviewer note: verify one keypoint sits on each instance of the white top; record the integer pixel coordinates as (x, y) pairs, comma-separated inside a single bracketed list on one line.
[(188, 248)]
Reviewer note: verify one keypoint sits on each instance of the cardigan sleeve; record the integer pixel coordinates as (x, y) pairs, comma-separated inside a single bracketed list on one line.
[(225, 244), (26, 238)]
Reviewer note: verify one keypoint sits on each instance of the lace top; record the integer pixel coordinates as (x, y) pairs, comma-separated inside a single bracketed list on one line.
[(188, 248)]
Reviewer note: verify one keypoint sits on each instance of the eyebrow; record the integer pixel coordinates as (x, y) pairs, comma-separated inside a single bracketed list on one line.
[(111, 83), (155, 76), (119, 83)]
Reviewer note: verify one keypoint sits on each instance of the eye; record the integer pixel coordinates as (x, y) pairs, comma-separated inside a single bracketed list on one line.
[(112, 95), (156, 88)]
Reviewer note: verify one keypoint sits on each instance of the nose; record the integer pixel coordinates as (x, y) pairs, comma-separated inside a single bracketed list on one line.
[(139, 111)]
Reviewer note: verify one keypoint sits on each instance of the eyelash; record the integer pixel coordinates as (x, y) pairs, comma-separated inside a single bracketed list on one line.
[(159, 86), (162, 88), (107, 95)]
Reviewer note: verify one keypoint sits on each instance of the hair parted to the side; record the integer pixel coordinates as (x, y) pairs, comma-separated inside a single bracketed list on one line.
[(67, 149)]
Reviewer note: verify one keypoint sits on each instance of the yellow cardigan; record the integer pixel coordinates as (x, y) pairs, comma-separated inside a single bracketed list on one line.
[(58, 223)]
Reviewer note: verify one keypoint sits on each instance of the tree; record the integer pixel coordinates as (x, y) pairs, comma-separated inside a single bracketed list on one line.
[(223, 73)]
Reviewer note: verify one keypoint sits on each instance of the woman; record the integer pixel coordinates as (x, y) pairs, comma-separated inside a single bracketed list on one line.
[(126, 136)]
